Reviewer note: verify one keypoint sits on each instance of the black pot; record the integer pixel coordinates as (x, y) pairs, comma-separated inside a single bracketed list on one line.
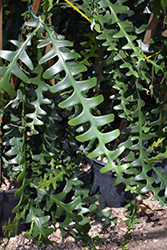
[(103, 183), (7, 203)]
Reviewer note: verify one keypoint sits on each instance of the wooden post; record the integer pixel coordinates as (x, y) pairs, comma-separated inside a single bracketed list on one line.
[(151, 28), (35, 7)]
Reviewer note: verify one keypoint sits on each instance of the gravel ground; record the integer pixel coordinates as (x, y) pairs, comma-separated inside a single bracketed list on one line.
[(149, 234)]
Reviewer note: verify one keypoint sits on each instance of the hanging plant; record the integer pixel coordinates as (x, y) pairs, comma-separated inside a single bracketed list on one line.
[(56, 104)]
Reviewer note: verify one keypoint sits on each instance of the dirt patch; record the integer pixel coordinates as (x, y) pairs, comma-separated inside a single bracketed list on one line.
[(9, 185)]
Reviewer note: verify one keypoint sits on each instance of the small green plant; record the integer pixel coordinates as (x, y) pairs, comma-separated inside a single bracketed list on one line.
[(131, 214)]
